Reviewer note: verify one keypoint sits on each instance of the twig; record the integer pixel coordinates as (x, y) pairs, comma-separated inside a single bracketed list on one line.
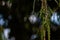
[(34, 5), (56, 1)]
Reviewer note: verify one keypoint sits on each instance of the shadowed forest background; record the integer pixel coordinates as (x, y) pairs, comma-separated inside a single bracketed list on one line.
[(20, 25)]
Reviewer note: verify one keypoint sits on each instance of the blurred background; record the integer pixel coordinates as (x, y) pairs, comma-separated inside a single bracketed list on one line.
[(20, 19)]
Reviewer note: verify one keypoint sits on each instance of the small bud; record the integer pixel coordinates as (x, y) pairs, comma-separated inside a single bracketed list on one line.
[(33, 19), (34, 36), (55, 18), (2, 22), (6, 32)]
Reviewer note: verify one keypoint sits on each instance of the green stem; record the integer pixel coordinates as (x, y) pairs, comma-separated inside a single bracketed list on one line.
[(59, 3)]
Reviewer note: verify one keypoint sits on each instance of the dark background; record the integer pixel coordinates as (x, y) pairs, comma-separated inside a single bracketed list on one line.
[(21, 8)]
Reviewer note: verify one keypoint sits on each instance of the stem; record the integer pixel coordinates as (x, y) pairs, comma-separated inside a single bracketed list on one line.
[(42, 31), (48, 29), (59, 3), (45, 21), (34, 5), (56, 1)]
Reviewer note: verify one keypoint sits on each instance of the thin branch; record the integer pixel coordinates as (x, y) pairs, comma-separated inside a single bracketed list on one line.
[(34, 5), (56, 1), (59, 3)]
